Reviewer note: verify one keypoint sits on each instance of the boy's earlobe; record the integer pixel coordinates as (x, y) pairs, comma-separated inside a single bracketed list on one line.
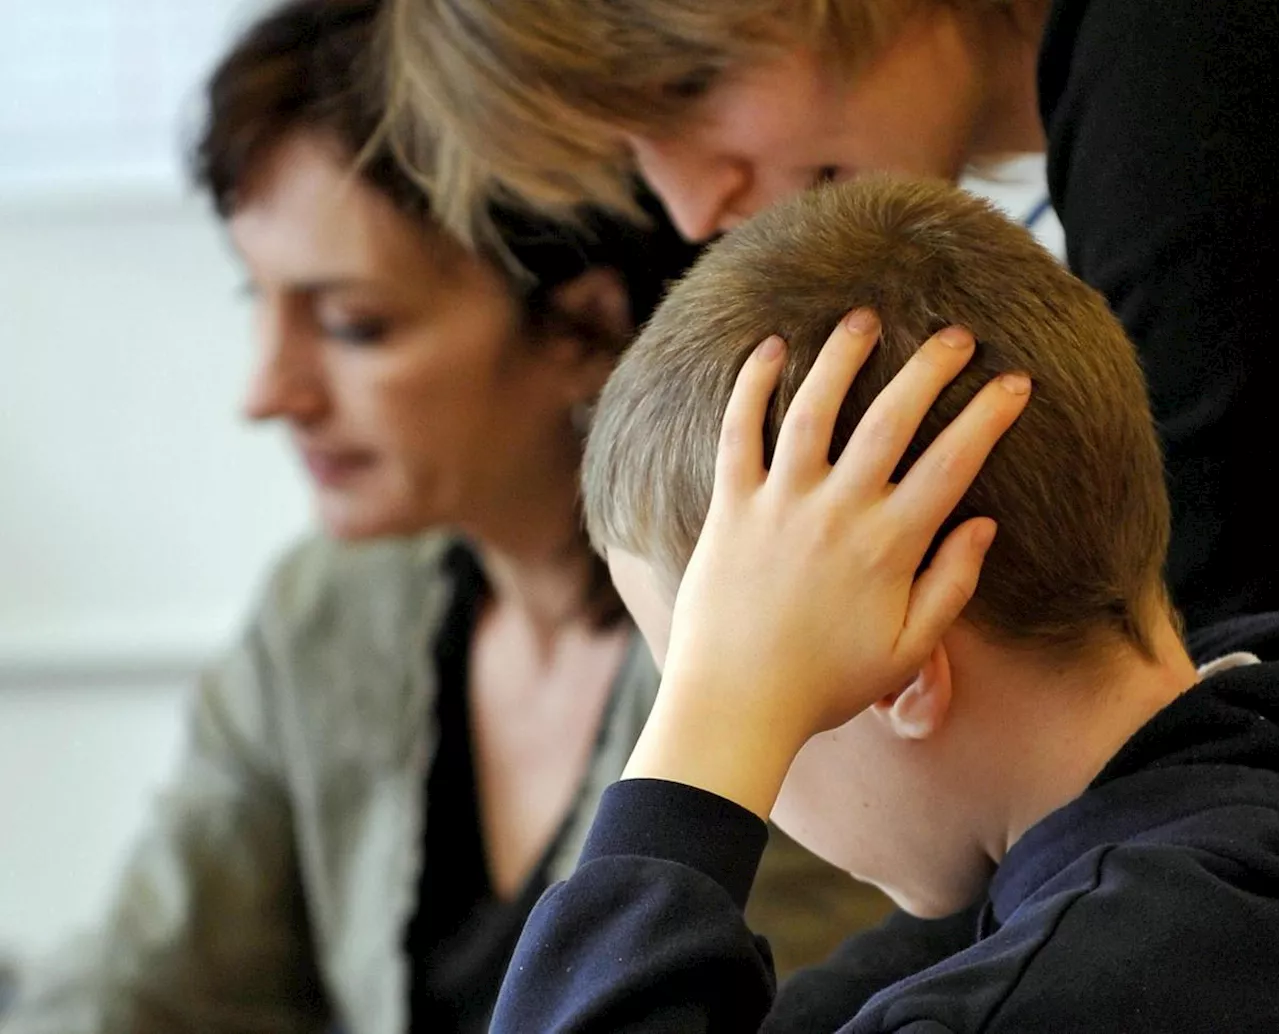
[(918, 710)]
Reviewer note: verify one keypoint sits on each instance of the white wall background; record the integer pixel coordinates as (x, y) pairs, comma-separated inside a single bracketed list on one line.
[(136, 513)]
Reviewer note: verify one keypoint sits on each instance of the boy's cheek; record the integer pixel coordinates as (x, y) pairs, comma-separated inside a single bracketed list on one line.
[(824, 806), (656, 632), (658, 640), (857, 798)]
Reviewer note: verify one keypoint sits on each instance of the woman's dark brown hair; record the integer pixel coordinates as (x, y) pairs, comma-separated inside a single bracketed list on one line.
[(308, 66)]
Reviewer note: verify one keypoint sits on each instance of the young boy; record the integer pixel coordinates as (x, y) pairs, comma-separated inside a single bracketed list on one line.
[(1038, 743)]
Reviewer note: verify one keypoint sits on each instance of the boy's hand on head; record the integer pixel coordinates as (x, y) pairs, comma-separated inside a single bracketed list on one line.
[(801, 605)]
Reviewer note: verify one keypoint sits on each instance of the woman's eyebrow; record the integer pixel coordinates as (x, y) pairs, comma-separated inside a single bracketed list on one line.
[(320, 285)]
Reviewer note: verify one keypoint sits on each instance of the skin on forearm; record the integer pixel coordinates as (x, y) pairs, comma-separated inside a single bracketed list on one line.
[(717, 743)]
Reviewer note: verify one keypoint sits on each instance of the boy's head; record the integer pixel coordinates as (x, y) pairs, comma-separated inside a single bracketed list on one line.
[(1076, 485)]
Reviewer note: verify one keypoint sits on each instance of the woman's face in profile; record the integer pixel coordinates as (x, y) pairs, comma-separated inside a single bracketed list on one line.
[(769, 131), (392, 355)]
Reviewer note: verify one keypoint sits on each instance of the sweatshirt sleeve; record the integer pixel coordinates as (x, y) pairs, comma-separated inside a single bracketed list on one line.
[(1161, 125), (648, 934)]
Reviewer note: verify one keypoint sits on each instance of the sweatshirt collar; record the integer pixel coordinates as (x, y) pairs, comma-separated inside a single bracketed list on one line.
[(1157, 777)]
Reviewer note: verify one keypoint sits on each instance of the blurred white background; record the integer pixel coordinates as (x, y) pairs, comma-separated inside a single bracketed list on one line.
[(136, 512)]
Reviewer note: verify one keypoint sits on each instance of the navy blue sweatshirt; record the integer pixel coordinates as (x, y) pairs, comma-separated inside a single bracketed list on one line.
[(1146, 904)]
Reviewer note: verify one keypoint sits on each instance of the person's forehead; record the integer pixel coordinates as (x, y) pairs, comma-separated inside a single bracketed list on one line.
[(298, 203), (783, 103), (309, 217)]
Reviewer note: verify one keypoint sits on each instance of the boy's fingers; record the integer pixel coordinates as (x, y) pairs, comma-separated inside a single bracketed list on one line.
[(740, 457), (946, 586), (891, 421), (939, 478), (804, 441)]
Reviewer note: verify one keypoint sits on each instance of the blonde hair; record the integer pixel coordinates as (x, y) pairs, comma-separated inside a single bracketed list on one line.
[(1076, 486), (529, 99)]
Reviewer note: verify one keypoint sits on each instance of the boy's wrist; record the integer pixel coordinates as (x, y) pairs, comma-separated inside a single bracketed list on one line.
[(721, 742)]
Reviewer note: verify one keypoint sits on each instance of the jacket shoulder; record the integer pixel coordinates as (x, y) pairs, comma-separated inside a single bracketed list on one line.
[(342, 636), (318, 578)]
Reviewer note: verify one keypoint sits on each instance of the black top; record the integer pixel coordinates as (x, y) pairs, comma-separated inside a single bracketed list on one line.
[(1146, 904), (1161, 124), (462, 936)]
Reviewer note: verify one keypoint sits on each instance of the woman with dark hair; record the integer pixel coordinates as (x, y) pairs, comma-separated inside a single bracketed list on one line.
[(409, 742)]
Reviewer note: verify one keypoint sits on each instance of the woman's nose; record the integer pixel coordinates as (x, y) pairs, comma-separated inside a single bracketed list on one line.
[(286, 382), (698, 192)]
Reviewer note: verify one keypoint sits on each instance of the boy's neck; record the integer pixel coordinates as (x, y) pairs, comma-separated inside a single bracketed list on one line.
[(1047, 730)]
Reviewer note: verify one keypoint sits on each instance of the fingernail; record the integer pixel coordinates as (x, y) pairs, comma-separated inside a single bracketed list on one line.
[(769, 348), (861, 321), (984, 534), (1016, 383), (956, 337)]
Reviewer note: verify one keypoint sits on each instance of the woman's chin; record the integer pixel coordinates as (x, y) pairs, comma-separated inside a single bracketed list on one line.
[(348, 520)]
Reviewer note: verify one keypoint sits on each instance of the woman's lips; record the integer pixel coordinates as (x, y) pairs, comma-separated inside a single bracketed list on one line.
[(330, 468)]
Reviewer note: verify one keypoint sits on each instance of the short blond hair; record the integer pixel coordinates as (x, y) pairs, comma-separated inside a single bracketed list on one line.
[(1076, 486), (530, 98)]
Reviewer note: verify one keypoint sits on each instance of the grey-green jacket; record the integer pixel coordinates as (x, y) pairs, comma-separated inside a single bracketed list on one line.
[(272, 890), (274, 886)]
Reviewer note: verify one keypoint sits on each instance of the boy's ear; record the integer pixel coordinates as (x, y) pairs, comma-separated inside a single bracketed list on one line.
[(919, 710)]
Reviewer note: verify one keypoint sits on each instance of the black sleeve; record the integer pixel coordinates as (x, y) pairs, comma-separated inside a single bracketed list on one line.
[(648, 934), (1161, 125), (819, 999)]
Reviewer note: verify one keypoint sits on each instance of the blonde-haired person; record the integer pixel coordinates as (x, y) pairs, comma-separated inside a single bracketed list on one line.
[(409, 740), (911, 606), (1156, 117)]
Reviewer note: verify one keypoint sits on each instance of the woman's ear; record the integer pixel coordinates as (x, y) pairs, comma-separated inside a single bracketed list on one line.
[(919, 710), (595, 304), (589, 324)]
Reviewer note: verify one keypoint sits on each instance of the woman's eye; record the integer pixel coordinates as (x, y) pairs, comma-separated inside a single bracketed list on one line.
[(693, 85), (357, 332)]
